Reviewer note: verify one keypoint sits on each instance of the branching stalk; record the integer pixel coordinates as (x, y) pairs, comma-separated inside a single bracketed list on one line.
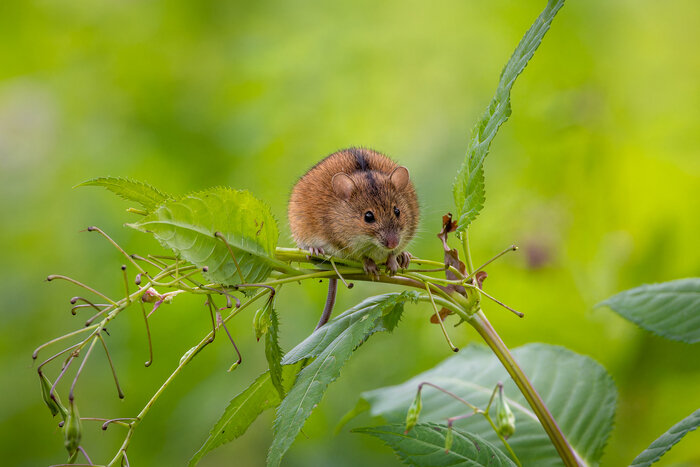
[(479, 322)]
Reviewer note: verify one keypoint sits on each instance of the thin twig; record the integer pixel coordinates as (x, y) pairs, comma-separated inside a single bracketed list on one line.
[(35, 354), (220, 236), (116, 421), (111, 365), (80, 284), (442, 325), (126, 284), (510, 248), (222, 324), (148, 335), (340, 276), (92, 228), (80, 369), (88, 303), (519, 314), (451, 394)]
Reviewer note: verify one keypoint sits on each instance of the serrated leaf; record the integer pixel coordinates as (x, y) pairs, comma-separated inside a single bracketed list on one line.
[(468, 189), (187, 226), (273, 352), (131, 190), (424, 446), (670, 309), (324, 336), (244, 409), (332, 345), (669, 439), (578, 392)]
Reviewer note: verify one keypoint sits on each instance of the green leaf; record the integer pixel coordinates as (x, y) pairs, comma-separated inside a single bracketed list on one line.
[(273, 352), (468, 189), (244, 409), (323, 337), (670, 309), (332, 345), (578, 392), (669, 439), (424, 446), (131, 190), (187, 226)]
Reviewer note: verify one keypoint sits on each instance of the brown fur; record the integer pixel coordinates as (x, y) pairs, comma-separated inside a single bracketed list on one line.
[(320, 218)]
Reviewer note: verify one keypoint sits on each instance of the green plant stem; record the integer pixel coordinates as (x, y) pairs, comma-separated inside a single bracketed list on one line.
[(433, 292), (503, 440), (467, 252), (436, 280), (202, 343), (488, 333)]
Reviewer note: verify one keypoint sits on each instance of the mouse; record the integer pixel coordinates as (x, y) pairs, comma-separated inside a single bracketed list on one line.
[(358, 204)]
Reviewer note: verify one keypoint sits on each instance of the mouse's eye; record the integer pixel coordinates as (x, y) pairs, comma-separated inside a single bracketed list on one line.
[(396, 211), (369, 217)]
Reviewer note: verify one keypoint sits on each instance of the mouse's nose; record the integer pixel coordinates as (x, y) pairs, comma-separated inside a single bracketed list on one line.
[(391, 241)]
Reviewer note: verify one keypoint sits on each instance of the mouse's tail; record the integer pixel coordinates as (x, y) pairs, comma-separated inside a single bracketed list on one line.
[(330, 301)]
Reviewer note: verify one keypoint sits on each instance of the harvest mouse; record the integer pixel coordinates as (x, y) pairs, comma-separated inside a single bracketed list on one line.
[(356, 204)]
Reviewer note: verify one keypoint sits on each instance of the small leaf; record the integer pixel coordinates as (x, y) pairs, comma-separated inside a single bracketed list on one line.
[(468, 189), (332, 344), (425, 446), (273, 352), (669, 439), (244, 409), (578, 392), (670, 309), (187, 226), (131, 190)]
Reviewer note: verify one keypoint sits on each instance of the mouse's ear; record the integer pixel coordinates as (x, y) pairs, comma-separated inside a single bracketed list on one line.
[(343, 186), (399, 177)]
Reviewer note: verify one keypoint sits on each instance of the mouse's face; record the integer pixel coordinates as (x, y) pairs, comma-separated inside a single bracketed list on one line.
[(379, 212)]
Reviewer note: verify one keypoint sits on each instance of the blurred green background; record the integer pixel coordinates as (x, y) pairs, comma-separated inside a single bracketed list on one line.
[(596, 177)]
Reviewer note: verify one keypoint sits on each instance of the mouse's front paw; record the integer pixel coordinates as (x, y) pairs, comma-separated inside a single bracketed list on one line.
[(391, 265), (371, 268), (316, 251), (404, 259)]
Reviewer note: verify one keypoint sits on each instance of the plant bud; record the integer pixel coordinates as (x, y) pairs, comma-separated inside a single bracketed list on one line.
[(261, 320), (54, 405), (473, 301), (448, 439), (413, 412), (150, 296), (187, 354), (505, 420), (72, 429)]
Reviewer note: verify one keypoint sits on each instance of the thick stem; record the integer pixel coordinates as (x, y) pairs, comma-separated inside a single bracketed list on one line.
[(467, 252), (488, 333)]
